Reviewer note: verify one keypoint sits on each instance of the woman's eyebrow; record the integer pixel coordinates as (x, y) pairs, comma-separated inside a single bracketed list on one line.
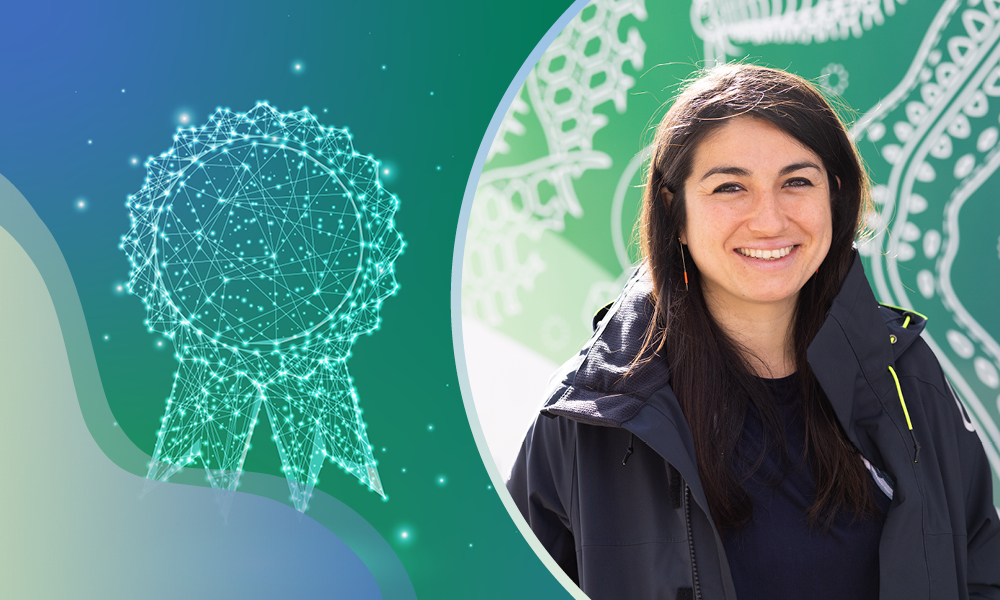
[(741, 172), (726, 170), (796, 166)]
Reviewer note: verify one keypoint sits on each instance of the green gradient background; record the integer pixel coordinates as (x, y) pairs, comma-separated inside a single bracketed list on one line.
[(67, 509), (72, 132)]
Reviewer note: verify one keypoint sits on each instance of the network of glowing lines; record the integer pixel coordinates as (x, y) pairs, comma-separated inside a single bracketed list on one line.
[(262, 246)]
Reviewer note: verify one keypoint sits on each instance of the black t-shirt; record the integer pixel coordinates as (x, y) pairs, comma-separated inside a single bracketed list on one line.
[(778, 555)]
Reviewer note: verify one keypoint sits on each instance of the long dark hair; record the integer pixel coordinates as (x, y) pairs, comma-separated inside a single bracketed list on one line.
[(684, 332)]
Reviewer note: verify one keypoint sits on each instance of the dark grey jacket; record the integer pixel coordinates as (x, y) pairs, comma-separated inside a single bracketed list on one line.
[(643, 530)]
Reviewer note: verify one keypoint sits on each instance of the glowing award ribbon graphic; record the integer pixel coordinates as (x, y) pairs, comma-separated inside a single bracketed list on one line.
[(262, 246)]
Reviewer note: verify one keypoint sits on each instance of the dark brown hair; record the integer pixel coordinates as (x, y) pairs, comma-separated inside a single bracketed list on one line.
[(684, 332)]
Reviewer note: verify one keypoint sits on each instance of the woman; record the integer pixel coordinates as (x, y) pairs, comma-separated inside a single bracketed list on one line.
[(746, 420)]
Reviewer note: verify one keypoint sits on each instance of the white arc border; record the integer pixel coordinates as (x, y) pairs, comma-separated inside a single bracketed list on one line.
[(456, 297)]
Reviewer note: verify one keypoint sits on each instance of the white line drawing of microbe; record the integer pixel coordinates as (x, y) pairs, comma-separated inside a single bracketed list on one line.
[(834, 78), (510, 125), (937, 135), (262, 245), (555, 332), (602, 292), (721, 24), (515, 205)]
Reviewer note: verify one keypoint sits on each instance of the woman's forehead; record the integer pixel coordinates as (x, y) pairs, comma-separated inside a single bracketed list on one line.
[(745, 144)]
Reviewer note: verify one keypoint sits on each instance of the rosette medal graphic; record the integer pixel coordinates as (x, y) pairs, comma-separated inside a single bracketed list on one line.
[(262, 246)]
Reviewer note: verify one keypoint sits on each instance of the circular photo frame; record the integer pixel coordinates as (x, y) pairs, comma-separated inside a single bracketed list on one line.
[(546, 234)]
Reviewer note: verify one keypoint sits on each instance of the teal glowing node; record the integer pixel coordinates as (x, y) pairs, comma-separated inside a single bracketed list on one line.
[(262, 246)]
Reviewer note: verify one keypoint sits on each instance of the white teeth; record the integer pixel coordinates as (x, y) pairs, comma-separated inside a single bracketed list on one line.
[(766, 254)]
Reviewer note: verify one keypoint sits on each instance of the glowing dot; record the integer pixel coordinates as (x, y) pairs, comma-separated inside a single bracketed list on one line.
[(442, 480), (438, 167), (123, 90), (90, 141), (383, 67), (405, 535), (432, 93), (106, 337), (385, 171), (80, 204), (184, 118), (430, 427)]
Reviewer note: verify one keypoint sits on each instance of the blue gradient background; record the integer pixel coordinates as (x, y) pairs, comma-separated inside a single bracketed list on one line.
[(81, 412)]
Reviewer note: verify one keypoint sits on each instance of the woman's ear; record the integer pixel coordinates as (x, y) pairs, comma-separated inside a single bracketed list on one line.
[(666, 197)]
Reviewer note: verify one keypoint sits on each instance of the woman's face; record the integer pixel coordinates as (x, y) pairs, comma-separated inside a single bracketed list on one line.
[(758, 214)]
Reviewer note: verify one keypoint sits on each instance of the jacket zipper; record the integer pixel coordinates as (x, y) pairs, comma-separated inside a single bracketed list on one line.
[(687, 519)]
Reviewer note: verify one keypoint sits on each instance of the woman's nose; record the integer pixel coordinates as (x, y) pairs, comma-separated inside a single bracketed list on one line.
[(766, 214)]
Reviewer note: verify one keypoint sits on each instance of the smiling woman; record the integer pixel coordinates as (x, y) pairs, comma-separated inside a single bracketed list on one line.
[(758, 227), (746, 420)]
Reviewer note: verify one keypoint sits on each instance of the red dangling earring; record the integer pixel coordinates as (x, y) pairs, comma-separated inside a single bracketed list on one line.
[(684, 263)]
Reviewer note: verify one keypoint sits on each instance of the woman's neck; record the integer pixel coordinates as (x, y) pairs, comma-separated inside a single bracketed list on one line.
[(764, 330)]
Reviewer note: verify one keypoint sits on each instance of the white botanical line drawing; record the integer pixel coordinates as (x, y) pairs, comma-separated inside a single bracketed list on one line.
[(515, 205), (838, 74), (721, 24), (604, 291), (937, 130)]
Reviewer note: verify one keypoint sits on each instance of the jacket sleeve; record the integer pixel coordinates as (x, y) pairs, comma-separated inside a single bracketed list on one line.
[(540, 483), (982, 518)]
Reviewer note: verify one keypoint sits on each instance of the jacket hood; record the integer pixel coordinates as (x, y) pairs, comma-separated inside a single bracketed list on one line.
[(592, 387)]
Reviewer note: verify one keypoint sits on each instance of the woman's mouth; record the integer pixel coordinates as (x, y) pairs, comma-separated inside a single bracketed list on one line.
[(774, 254)]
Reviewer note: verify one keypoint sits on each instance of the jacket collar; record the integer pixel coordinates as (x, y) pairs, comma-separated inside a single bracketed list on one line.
[(850, 357)]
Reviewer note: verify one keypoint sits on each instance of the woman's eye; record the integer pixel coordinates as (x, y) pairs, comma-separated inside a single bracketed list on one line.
[(728, 188), (798, 182)]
